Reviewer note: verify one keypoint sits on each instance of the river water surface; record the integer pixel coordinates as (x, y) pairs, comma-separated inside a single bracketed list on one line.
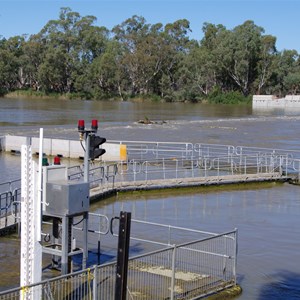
[(267, 216)]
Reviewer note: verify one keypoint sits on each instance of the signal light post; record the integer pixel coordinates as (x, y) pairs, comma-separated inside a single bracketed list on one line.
[(92, 143), (95, 142), (92, 151)]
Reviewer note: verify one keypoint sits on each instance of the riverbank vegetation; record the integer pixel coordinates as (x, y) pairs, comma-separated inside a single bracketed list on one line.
[(73, 58)]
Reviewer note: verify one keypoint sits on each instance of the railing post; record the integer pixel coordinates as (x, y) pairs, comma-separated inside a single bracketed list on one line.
[(122, 256), (95, 284), (280, 165), (173, 273), (134, 171), (236, 253), (169, 235), (6, 208)]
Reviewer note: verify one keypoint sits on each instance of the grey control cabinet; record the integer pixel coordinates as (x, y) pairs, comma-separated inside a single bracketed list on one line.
[(66, 198)]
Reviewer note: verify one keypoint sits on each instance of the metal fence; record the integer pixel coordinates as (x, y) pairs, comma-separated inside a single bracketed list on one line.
[(143, 150), (10, 208), (183, 271), (10, 192), (259, 164), (149, 161)]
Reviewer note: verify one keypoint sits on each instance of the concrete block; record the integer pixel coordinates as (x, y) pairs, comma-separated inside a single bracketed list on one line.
[(76, 149), (64, 148), (14, 143), (114, 152), (60, 147), (292, 97), (47, 145), (263, 97)]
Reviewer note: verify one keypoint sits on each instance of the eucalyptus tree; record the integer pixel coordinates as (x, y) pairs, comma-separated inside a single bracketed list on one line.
[(139, 56), (197, 73), (105, 77), (216, 46), (239, 52), (11, 51), (292, 83), (288, 72), (176, 46), (150, 52), (71, 43), (201, 69), (285, 63), (32, 59), (265, 63)]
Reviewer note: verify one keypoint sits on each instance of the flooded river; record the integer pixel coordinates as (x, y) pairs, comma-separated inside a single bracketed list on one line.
[(267, 216)]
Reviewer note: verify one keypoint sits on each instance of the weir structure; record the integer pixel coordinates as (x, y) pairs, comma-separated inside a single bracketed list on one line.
[(189, 269), (158, 165)]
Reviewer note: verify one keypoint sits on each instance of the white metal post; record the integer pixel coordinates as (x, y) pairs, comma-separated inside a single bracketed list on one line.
[(38, 204), (31, 249), (172, 289)]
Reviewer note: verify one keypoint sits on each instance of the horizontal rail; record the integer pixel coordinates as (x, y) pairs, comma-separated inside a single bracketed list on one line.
[(197, 267)]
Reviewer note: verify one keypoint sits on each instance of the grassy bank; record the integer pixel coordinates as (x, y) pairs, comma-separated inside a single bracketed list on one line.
[(215, 97)]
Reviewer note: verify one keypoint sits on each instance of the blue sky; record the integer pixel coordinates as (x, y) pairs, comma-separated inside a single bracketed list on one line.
[(278, 17)]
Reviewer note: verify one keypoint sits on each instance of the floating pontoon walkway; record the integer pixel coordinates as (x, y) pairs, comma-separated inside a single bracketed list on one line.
[(141, 165)]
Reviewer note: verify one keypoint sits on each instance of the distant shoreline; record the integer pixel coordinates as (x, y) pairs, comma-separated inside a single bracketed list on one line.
[(30, 94)]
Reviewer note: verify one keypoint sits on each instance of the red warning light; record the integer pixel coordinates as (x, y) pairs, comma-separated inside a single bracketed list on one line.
[(94, 125), (80, 125), (57, 160)]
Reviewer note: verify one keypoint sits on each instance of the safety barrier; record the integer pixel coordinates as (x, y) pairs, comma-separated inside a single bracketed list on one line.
[(149, 161), (180, 271), (143, 150), (9, 208), (202, 167)]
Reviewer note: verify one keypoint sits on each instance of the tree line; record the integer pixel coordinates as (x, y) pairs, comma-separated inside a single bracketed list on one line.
[(71, 56)]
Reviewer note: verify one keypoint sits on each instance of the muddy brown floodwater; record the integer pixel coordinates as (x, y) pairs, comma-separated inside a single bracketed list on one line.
[(267, 216)]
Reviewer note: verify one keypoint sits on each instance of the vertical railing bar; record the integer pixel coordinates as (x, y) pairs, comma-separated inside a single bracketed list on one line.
[(235, 255), (173, 273)]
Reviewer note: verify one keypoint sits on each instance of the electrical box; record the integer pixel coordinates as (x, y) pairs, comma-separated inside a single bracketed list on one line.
[(66, 198), (50, 174)]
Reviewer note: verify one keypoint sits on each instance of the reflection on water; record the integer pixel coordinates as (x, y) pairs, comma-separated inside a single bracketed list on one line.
[(287, 286), (275, 111)]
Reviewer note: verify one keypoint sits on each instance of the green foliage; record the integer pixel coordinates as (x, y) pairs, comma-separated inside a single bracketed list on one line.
[(73, 58), (232, 97)]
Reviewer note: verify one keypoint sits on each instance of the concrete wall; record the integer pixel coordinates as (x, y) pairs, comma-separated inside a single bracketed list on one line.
[(269, 101), (61, 147), (263, 97)]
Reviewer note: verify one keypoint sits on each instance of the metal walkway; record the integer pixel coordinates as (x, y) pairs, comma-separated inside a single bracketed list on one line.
[(156, 165)]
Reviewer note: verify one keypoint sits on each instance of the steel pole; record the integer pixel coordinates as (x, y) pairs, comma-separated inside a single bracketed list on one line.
[(86, 158)]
